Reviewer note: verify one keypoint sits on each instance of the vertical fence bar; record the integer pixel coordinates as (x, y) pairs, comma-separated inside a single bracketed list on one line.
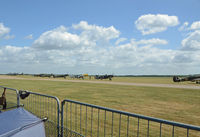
[(173, 131), (98, 123), (119, 124), (86, 123), (76, 117), (160, 129), (112, 125), (70, 119), (80, 117), (127, 126), (62, 118), (148, 129), (133, 128), (138, 129), (187, 132), (91, 120), (33, 104), (40, 106), (58, 117), (105, 123), (67, 116)]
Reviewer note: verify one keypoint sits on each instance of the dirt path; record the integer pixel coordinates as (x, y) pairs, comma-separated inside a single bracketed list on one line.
[(109, 82)]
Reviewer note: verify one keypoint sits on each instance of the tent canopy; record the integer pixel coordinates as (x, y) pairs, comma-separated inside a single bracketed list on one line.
[(20, 123)]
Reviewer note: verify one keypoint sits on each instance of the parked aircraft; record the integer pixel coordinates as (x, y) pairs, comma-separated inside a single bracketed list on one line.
[(103, 77), (51, 75), (192, 78), (76, 76), (60, 75), (43, 75)]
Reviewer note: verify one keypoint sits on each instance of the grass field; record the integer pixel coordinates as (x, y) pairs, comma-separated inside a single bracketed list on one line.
[(181, 105)]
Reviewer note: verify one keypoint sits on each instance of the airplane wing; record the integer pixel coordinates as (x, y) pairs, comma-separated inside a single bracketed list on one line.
[(196, 79)]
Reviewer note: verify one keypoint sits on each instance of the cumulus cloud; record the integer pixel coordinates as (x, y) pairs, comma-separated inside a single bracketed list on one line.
[(120, 40), (192, 42), (16, 55), (184, 26), (61, 51), (153, 41), (58, 38), (131, 57), (183, 57), (195, 25), (4, 32), (94, 32), (150, 23)]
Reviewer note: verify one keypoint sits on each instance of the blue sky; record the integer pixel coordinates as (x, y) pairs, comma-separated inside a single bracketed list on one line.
[(120, 37)]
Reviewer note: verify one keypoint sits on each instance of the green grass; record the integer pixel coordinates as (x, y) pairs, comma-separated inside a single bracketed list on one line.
[(181, 105)]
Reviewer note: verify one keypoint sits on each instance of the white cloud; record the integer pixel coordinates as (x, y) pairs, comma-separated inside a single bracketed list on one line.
[(60, 51), (140, 59), (150, 23), (4, 32), (195, 25), (192, 42), (58, 39), (16, 55), (120, 40), (29, 36), (184, 57), (184, 26), (153, 41), (94, 32)]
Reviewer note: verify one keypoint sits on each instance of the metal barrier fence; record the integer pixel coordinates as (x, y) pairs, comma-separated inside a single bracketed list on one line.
[(12, 97), (82, 119), (44, 106), (39, 104), (91, 120)]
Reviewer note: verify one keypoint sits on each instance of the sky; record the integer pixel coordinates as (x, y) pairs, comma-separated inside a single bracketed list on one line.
[(120, 37)]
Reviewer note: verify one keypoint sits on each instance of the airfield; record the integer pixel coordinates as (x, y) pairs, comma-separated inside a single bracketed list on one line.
[(133, 81), (151, 96)]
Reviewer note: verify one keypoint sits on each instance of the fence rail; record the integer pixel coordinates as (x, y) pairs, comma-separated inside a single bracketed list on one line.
[(91, 120), (77, 119), (45, 106)]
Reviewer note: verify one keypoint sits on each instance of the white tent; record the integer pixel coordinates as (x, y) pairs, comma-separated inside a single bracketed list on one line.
[(20, 123)]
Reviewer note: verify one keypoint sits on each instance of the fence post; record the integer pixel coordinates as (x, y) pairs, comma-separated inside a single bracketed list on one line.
[(58, 123), (62, 122)]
